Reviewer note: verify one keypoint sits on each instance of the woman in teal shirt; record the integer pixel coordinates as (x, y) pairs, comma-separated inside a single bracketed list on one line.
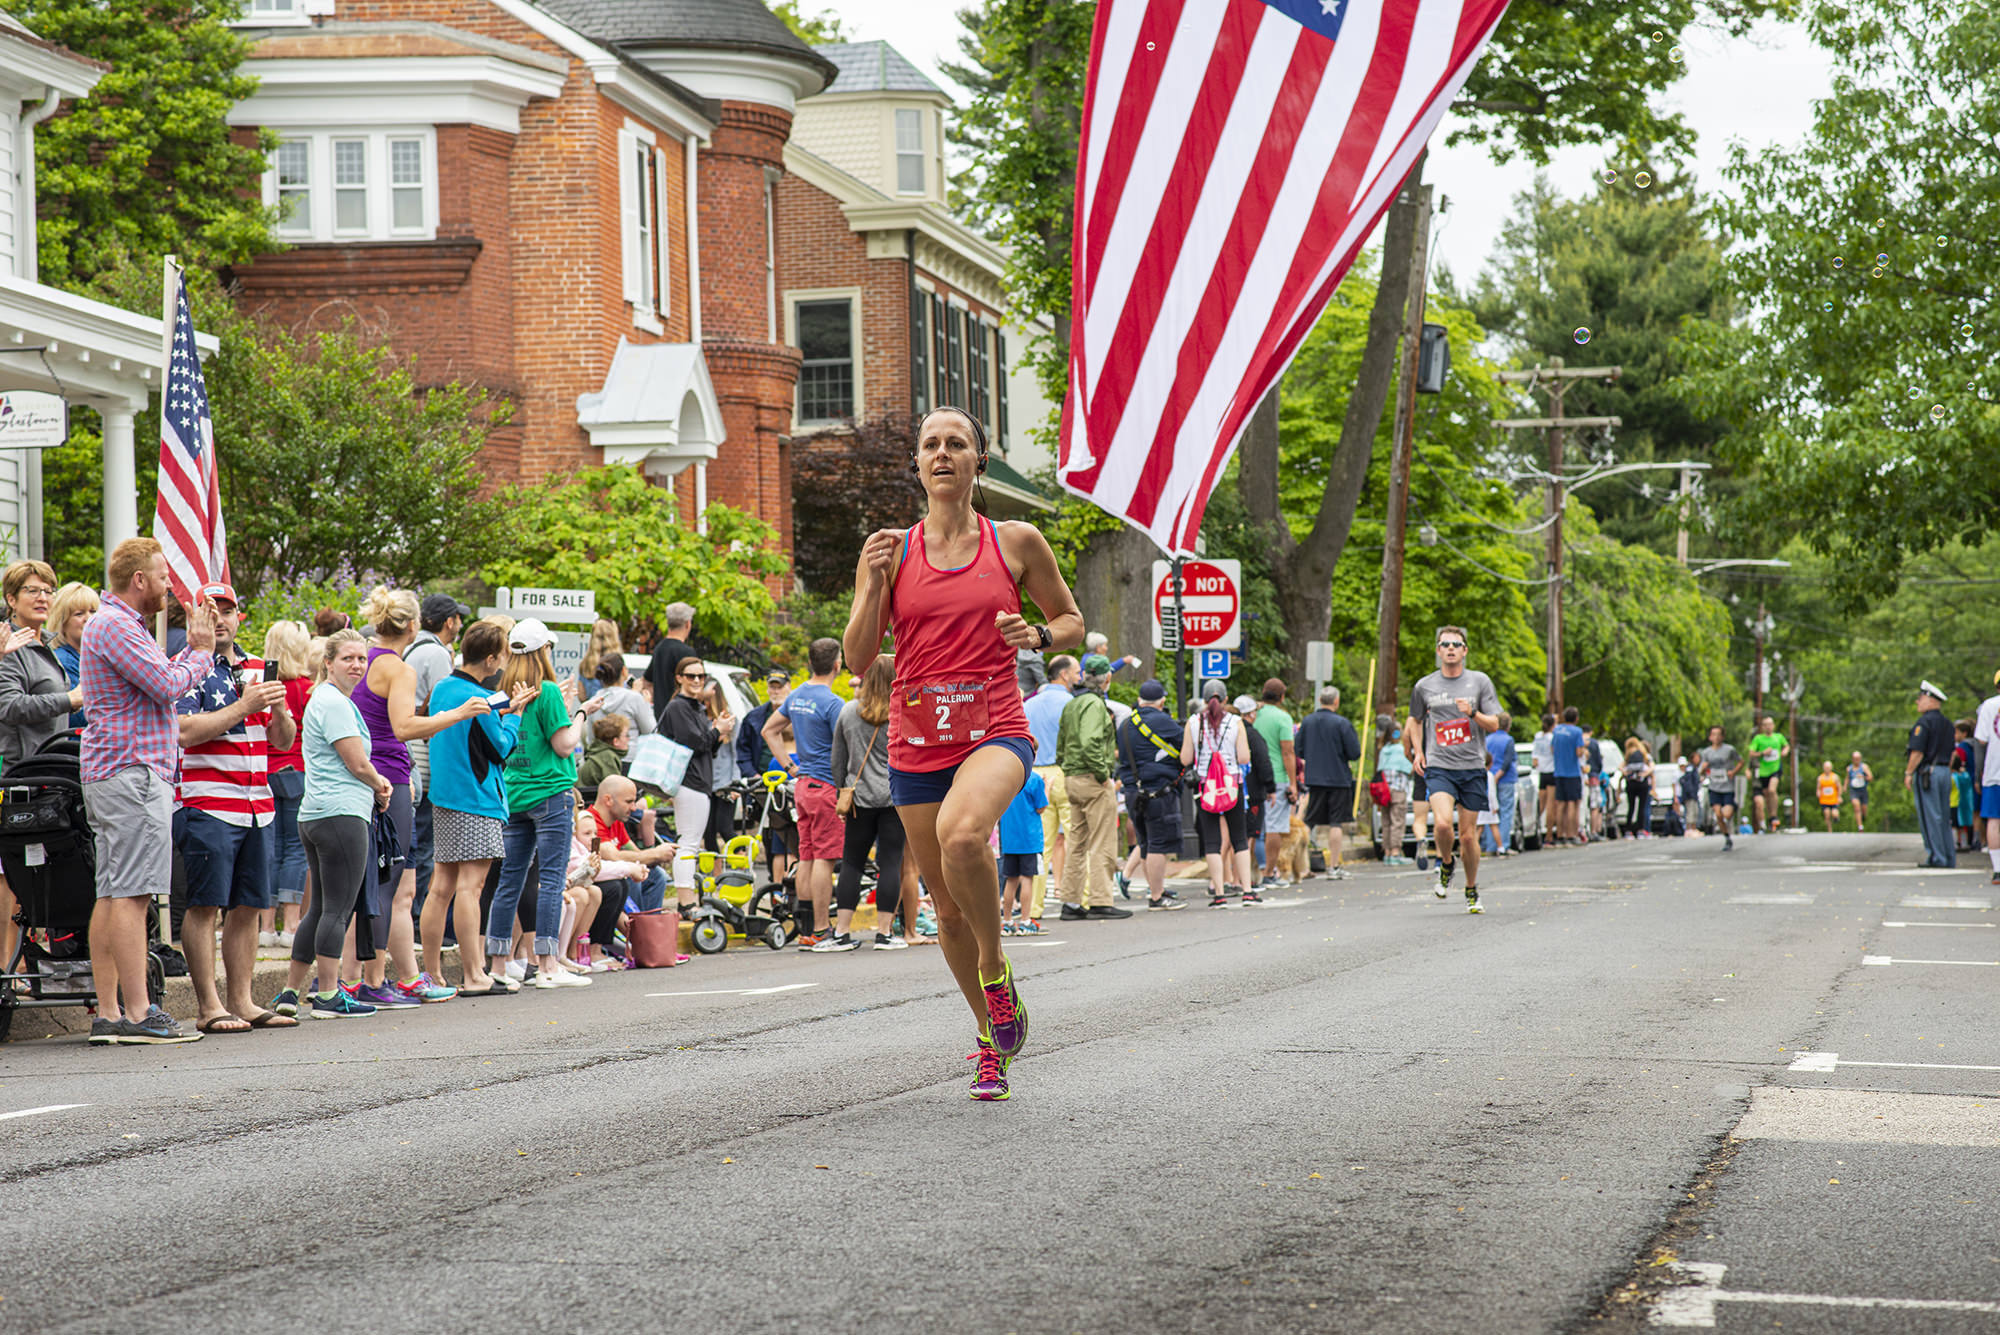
[(343, 793)]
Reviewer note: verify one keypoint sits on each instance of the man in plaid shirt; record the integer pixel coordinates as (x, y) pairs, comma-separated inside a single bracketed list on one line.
[(131, 759)]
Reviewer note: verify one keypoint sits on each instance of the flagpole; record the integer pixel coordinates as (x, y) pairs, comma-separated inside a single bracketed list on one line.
[(169, 289)]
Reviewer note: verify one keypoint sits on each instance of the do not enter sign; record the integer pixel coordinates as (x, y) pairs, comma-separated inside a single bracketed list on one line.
[(1211, 603)]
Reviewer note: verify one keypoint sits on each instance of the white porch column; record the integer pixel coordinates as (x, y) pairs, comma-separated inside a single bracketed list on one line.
[(121, 501), (701, 498)]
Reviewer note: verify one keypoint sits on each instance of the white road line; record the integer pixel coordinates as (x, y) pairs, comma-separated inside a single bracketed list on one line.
[(1770, 899), (35, 1112), (1692, 1303), (1883, 961), (737, 991), (1940, 924), (1044, 945), (1932, 871), (1826, 1061), (1942, 902)]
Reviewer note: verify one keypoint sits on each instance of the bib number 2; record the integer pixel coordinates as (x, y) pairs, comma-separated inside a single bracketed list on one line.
[(942, 714)]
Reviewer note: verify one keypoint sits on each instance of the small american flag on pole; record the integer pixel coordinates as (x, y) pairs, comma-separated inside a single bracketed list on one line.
[(187, 517), (1235, 156)]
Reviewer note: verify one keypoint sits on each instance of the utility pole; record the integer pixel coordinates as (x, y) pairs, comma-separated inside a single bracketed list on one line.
[(1389, 614), (1761, 628), (1558, 378), (1795, 687), (1687, 492)]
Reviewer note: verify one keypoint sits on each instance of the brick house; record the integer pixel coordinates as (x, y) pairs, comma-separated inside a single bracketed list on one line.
[(570, 202), (895, 305)]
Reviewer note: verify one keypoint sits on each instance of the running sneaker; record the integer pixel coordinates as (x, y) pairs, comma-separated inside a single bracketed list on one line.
[(338, 1005), (1009, 927), (1338, 873), (1472, 900), (835, 943), (885, 941), (1031, 927), (1164, 905), (423, 988), (158, 1027), (554, 978), (1106, 911), (989, 1077), (1252, 897), (1218, 901), (111, 1033), (1124, 885), (286, 1002), (1728, 843), (517, 970), (1446, 867), (384, 998), (1005, 1014), (809, 940)]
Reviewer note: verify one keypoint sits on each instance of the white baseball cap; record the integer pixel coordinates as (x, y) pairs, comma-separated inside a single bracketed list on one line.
[(529, 636)]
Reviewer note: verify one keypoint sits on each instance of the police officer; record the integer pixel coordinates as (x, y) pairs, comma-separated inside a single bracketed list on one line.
[(1149, 761), (1928, 776)]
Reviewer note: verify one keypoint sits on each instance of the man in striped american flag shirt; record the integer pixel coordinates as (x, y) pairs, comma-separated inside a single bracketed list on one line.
[(225, 826)]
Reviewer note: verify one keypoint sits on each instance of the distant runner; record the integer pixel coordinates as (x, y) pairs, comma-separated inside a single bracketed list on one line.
[(1455, 709), (1720, 764)]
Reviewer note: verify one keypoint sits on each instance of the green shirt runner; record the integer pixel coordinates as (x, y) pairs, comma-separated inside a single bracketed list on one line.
[(1766, 747)]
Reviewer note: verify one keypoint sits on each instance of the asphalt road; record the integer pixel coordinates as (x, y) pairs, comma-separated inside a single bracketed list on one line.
[(1354, 1109)]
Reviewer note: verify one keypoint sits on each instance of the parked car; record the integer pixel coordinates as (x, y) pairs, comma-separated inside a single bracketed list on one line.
[(736, 682)]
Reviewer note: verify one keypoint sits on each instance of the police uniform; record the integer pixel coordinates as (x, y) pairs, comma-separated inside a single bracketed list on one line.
[(1931, 741)]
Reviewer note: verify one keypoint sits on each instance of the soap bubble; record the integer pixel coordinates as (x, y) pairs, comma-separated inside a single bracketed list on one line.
[(1149, 46), (1838, 262), (1881, 259), (1937, 412), (1878, 271), (1878, 222), (1581, 335), (1611, 176), (1642, 179), (1966, 330), (1915, 392), (1659, 36), (1826, 306), (1674, 55), (1941, 241)]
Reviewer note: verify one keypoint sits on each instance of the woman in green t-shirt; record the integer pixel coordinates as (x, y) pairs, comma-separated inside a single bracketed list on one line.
[(541, 807)]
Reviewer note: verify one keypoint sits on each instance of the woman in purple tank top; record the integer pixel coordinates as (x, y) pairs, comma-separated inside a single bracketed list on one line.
[(386, 698)]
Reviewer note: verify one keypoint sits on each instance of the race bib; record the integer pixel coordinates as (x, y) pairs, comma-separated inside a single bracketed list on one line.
[(944, 714), (1454, 731)]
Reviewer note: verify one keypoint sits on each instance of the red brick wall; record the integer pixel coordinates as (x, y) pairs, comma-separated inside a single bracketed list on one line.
[(536, 309), (818, 248)]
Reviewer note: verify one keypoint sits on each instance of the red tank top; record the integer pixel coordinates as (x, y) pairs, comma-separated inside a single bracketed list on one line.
[(943, 623)]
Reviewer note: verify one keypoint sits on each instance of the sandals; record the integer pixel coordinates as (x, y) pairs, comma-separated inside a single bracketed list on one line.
[(224, 1023), (273, 1020)]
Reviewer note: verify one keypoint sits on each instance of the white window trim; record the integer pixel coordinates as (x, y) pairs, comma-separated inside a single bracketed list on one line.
[(898, 152), (645, 258), (300, 15), (320, 186), (794, 298), (663, 237)]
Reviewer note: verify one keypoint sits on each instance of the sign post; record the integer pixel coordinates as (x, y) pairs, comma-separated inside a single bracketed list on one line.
[(562, 607)]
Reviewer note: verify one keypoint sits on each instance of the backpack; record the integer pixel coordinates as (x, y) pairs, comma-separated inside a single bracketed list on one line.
[(1221, 781)]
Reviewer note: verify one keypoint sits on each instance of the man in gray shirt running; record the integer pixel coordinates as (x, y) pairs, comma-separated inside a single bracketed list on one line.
[(1720, 763), (1451, 711)]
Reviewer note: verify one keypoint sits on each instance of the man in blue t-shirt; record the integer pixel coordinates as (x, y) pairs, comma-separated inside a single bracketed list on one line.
[(1503, 763), (814, 710), (1567, 743)]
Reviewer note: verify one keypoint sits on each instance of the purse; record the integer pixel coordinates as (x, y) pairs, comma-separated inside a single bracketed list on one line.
[(654, 937), (843, 805), (659, 761)]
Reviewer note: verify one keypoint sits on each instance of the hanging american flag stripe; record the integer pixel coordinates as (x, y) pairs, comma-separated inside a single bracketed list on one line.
[(1228, 178), (187, 517)]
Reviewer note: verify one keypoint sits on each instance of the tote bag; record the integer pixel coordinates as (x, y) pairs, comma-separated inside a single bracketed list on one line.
[(659, 761)]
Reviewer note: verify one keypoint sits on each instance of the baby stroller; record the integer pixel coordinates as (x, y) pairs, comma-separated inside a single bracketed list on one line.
[(50, 858)]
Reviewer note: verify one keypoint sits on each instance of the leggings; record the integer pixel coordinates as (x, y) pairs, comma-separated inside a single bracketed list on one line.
[(1638, 803), (721, 824), (690, 823), (337, 856), (882, 829)]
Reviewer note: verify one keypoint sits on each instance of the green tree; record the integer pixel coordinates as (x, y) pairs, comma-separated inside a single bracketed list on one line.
[(1864, 395), (147, 163), (331, 452), (611, 530), (817, 29), (1627, 265)]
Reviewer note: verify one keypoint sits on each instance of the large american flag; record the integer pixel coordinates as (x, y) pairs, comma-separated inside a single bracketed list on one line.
[(1235, 156), (187, 518)]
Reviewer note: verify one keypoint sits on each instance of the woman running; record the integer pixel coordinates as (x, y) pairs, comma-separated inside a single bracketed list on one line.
[(959, 749)]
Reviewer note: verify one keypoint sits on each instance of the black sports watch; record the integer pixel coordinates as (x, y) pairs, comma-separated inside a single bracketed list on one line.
[(1042, 634)]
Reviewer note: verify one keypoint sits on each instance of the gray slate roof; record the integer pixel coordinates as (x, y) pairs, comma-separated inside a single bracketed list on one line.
[(874, 67), (729, 24)]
